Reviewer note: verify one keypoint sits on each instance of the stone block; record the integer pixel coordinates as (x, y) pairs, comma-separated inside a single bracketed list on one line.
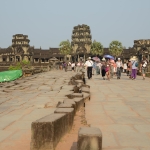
[(70, 116), (71, 101), (65, 105), (79, 103), (85, 89), (89, 138), (76, 95), (47, 131), (86, 96)]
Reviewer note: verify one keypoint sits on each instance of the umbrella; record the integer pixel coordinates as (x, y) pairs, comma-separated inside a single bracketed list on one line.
[(96, 58), (109, 56)]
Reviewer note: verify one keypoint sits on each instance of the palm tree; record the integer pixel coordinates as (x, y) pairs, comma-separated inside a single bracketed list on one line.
[(65, 48), (116, 48), (97, 48)]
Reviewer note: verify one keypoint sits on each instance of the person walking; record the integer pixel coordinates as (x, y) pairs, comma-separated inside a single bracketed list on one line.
[(103, 68), (73, 66), (65, 66), (111, 64), (119, 65), (143, 67), (94, 68), (89, 66), (69, 65), (125, 67), (115, 68), (129, 68), (134, 63), (98, 67), (107, 70), (79, 66)]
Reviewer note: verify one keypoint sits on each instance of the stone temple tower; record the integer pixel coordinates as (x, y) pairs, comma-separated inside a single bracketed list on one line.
[(81, 41), (20, 46)]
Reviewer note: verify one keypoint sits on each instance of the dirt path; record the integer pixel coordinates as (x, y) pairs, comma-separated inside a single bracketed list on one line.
[(69, 141)]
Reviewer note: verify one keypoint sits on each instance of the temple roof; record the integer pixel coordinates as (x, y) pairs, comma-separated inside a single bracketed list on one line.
[(5, 50)]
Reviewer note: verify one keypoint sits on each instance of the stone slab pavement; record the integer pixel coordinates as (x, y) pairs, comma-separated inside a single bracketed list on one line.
[(26, 100), (121, 109)]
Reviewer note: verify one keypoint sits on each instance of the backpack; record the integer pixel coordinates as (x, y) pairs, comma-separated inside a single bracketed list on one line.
[(136, 64)]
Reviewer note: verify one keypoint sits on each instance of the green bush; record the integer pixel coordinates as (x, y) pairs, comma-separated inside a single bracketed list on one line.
[(24, 62), (19, 65)]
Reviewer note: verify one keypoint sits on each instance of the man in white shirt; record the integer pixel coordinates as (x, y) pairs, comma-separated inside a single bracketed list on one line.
[(119, 65), (89, 66)]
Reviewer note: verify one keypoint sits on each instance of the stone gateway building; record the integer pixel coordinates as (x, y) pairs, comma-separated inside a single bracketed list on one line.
[(81, 41), (81, 48)]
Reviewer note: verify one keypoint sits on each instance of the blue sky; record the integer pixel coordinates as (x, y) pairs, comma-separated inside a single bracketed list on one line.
[(48, 22)]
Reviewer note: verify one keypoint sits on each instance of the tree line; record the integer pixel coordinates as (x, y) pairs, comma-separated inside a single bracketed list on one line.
[(115, 48)]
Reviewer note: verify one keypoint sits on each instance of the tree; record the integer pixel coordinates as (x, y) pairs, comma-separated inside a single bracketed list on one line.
[(115, 48), (65, 48), (97, 48)]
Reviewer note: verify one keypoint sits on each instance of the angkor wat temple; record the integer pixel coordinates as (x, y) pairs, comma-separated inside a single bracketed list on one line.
[(81, 46)]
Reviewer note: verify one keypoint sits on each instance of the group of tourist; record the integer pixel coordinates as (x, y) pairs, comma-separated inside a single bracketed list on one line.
[(111, 68), (108, 68), (76, 67)]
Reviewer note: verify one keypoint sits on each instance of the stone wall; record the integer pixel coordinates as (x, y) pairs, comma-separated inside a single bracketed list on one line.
[(48, 131)]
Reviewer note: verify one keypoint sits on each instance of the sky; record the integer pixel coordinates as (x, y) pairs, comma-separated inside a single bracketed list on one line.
[(48, 22)]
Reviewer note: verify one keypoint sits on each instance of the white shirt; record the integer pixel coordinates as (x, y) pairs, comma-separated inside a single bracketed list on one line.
[(119, 64), (89, 63), (133, 62), (73, 65), (125, 66)]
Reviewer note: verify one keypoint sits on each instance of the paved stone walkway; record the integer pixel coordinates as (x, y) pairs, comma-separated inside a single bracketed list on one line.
[(26, 100), (121, 109)]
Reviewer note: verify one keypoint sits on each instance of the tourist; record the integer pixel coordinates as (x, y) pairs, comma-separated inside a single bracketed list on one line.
[(143, 67), (73, 66), (103, 68), (111, 64), (119, 65), (69, 65), (94, 68), (125, 67), (115, 68), (79, 66), (89, 66), (98, 67), (134, 63), (65, 66), (128, 68), (107, 70)]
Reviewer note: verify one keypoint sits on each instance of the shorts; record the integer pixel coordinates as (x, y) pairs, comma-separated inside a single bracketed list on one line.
[(72, 68), (143, 70)]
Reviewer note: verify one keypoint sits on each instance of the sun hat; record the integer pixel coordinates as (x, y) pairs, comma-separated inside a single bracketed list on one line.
[(103, 59), (133, 58)]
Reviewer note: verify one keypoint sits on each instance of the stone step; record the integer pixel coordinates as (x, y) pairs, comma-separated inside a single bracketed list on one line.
[(89, 138)]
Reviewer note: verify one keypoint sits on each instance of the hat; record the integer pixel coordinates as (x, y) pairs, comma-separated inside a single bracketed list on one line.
[(89, 58), (133, 58), (103, 59), (118, 58)]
